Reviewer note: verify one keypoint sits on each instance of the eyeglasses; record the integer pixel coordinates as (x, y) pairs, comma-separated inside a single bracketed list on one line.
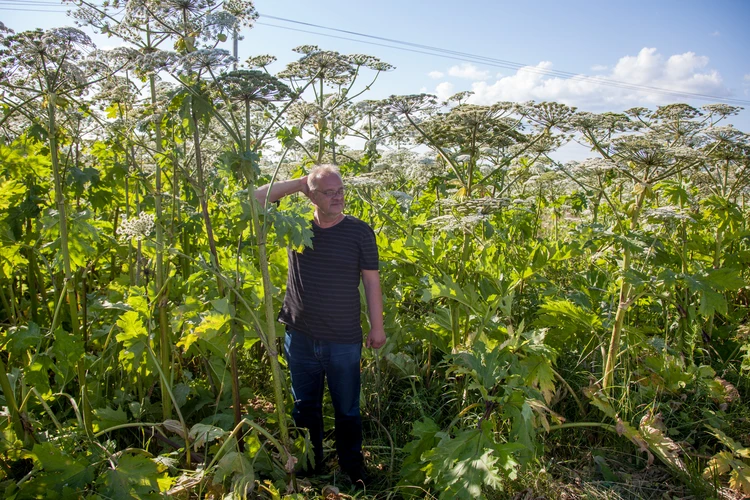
[(330, 193)]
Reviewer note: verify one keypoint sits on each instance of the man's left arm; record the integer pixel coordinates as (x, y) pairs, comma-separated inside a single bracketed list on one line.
[(374, 297)]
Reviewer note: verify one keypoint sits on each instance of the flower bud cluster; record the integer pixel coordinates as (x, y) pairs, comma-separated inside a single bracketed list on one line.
[(139, 227)]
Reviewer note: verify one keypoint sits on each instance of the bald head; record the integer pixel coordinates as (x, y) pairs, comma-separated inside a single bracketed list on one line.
[(319, 172)]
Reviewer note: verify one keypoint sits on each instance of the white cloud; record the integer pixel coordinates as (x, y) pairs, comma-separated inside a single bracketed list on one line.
[(599, 67), (639, 69), (686, 72), (747, 78), (435, 75), (716, 33), (685, 65), (444, 90), (468, 71)]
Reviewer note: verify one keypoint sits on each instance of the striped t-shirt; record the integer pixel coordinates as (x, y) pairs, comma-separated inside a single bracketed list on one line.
[(322, 290)]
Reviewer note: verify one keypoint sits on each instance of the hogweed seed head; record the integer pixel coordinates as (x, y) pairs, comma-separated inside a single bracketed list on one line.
[(253, 85), (591, 166), (219, 23), (331, 66), (203, 60), (676, 112), (722, 110), (727, 133), (403, 199), (260, 61)]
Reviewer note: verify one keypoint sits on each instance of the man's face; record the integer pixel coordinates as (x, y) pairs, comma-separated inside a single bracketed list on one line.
[(328, 195)]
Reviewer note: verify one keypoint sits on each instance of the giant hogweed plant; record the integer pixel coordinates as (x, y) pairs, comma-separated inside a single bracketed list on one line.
[(662, 152), (672, 276), (195, 28), (704, 287), (49, 67), (320, 70), (501, 379), (476, 145), (134, 337), (474, 249)]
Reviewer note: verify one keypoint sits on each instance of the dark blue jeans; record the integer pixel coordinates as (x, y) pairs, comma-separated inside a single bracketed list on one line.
[(310, 363)]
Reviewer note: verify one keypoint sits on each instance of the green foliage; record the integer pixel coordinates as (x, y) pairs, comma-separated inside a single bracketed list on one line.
[(133, 336), (567, 321), (710, 285), (462, 465), (135, 476), (496, 263), (457, 466), (291, 229), (108, 417), (63, 475)]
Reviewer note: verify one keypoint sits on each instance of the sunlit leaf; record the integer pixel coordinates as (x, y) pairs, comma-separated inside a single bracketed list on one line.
[(105, 418), (134, 477)]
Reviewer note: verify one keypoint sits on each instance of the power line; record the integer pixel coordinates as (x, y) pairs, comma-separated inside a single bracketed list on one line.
[(46, 6), (465, 56), (49, 3), (16, 9), (33, 4), (438, 52)]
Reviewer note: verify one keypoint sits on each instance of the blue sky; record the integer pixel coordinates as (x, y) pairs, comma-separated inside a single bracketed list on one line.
[(689, 46)]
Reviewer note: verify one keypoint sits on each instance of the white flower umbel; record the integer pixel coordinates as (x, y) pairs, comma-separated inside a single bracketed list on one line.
[(362, 181), (667, 213), (403, 199), (138, 228), (475, 206), (462, 223)]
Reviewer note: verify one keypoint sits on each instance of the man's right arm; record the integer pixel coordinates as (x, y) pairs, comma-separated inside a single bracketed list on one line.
[(279, 189)]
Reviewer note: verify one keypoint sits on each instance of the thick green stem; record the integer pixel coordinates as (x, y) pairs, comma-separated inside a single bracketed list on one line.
[(165, 344), (10, 401), (31, 275), (457, 309), (455, 325), (685, 326), (716, 264), (113, 255), (131, 252), (270, 326), (321, 126), (572, 425), (271, 332), (235, 325), (6, 303), (623, 305), (203, 201), (63, 222)]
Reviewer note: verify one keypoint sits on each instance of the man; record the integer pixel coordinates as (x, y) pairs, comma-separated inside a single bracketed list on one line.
[(321, 312)]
